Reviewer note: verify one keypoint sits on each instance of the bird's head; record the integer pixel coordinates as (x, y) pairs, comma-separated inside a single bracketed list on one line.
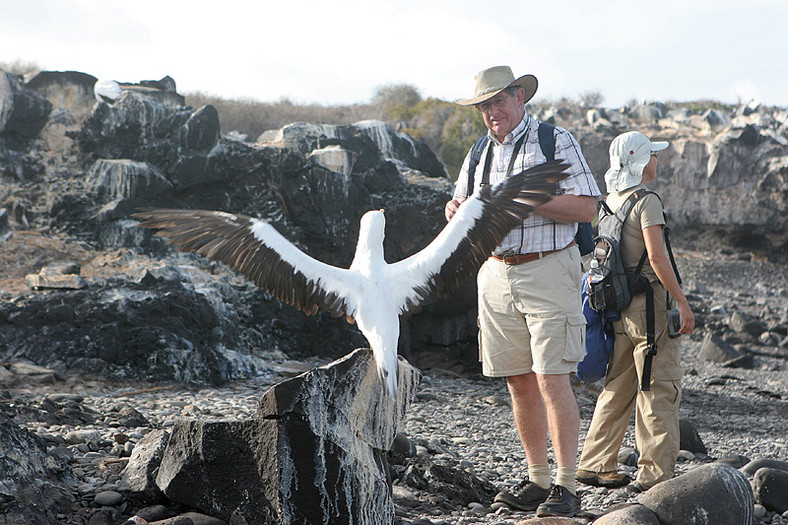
[(373, 226)]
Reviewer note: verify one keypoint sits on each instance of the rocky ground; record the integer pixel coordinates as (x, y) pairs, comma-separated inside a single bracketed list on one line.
[(72, 170), (459, 420)]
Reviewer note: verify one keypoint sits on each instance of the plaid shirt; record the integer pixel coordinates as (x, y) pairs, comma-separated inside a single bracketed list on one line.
[(537, 233)]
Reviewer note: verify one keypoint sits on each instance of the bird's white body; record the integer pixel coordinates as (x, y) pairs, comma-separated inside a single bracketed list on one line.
[(375, 293)]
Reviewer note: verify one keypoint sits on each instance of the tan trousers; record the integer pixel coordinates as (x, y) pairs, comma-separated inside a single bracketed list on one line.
[(656, 410)]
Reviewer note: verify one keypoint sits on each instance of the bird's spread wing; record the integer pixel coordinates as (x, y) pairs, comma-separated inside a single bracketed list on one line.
[(255, 249), (477, 228)]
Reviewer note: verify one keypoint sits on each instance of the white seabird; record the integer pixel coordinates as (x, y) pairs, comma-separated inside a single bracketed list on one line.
[(107, 91), (371, 292)]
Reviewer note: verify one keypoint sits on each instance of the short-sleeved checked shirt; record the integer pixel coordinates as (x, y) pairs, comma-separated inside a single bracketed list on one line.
[(537, 233)]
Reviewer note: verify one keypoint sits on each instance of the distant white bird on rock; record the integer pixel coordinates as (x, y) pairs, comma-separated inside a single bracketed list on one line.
[(371, 292), (107, 91)]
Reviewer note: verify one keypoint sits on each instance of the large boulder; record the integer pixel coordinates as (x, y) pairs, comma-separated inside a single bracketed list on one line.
[(33, 484), (23, 112), (112, 179), (711, 494), (315, 451), (71, 91)]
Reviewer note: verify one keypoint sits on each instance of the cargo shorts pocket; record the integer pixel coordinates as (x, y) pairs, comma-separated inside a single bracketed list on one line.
[(575, 338)]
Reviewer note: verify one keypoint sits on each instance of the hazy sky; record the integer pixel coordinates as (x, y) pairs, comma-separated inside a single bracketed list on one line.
[(340, 51)]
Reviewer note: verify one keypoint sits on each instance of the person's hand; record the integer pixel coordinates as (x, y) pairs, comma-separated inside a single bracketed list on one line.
[(687, 319), (451, 208)]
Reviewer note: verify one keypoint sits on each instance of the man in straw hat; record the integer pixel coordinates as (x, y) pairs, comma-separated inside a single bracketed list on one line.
[(532, 328)]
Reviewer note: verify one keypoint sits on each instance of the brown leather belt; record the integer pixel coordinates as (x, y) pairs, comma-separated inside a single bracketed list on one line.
[(520, 258)]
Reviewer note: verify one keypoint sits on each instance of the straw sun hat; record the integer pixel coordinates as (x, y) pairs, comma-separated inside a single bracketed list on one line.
[(492, 81)]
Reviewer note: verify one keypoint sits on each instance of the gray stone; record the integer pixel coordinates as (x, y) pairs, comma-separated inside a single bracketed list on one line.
[(689, 438), (139, 476), (201, 519), (61, 268), (7, 88), (62, 282), (23, 112), (5, 228), (318, 437), (645, 114), (108, 497), (24, 463), (716, 350), (154, 513), (628, 515), (69, 90), (741, 324), (403, 445), (335, 158), (751, 467), (177, 520), (770, 487), (717, 119), (736, 461), (711, 494), (126, 179), (202, 129)]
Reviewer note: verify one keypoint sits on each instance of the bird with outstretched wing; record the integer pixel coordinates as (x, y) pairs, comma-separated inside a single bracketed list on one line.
[(370, 292)]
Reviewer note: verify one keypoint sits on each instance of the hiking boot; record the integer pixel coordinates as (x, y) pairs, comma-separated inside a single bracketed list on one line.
[(560, 502), (525, 496), (611, 479)]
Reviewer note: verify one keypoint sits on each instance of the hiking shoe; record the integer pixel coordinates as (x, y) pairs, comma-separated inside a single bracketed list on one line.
[(560, 502), (637, 487), (611, 479), (525, 496)]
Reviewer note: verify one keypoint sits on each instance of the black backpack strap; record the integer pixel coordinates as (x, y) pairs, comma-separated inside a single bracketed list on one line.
[(488, 160), (487, 166), (651, 345), (476, 155), (666, 234), (630, 202), (546, 133)]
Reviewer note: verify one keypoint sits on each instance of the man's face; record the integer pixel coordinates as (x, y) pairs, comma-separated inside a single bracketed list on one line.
[(503, 112)]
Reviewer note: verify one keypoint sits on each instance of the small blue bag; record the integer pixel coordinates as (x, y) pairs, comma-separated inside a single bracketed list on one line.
[(599, 339)]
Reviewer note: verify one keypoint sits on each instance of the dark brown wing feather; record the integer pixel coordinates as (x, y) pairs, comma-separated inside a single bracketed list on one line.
[(229, 238)]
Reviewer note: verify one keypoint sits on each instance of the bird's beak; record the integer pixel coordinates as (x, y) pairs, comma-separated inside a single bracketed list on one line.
[(382, 210)]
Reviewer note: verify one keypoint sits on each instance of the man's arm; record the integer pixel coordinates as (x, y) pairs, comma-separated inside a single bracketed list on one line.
[(568, 208)]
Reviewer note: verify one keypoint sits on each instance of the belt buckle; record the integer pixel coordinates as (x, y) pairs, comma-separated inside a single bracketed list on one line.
[(510, 258)]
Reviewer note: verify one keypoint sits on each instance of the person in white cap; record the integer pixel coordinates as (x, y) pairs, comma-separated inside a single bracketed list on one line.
[(633, 162), (531, 324)]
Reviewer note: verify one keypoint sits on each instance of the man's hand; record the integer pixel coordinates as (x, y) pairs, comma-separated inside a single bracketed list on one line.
[(451, 208)]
